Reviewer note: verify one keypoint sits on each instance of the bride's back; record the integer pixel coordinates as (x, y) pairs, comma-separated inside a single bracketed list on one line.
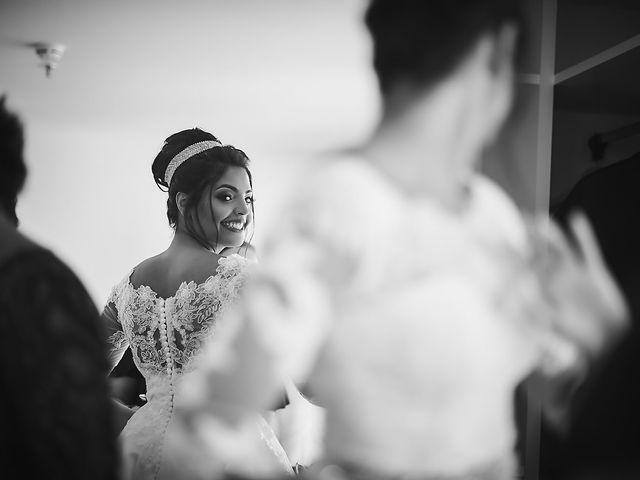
[(164, 273)]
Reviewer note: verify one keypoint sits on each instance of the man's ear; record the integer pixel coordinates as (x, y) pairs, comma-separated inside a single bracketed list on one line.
[(498, 96), (181, 202), (503, 55)]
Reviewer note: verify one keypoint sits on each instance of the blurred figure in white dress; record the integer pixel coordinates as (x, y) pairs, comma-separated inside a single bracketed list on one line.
[(403, 288)]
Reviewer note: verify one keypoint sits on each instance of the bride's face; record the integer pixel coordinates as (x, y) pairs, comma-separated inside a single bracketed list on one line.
[(227, 214)]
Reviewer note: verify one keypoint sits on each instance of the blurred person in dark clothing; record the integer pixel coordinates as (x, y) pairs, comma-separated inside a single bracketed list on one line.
[(56, 418)]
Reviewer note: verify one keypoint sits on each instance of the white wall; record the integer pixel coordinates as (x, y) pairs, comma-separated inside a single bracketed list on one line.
[(279, 79)]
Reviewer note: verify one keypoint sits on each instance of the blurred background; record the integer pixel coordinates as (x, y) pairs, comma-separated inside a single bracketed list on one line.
[(281, 80), (284, 80)]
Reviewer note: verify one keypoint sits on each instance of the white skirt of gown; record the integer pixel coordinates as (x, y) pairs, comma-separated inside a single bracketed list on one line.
[(157, 446)]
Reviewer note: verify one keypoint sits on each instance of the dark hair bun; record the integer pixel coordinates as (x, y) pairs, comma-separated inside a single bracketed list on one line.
[(172, 146)]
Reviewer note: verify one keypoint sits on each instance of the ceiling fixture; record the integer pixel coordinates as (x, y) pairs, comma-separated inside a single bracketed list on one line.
[(49, 53)]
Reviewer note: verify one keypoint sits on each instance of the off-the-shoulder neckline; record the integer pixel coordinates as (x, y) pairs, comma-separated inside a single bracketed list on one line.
[(184, 284)]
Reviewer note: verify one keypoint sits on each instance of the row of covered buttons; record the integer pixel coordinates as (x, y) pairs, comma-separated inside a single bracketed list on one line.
[(164, 338)]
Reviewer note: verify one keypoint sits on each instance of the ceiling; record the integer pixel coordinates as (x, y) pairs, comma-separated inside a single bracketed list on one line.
[(248, 69)]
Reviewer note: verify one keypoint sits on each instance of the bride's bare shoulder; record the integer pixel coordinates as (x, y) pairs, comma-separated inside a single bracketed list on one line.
[(165, 272)]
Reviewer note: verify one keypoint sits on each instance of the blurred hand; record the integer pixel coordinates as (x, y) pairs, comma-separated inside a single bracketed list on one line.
[(589, 309), (245, 250)]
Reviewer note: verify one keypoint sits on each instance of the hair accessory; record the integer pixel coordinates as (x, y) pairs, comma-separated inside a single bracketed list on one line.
[(186, 154)]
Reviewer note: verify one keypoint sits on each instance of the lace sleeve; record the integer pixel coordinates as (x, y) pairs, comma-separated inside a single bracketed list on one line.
[(117, 342)]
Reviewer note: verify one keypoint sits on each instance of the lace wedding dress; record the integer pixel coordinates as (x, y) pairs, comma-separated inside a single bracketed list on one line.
[(165, 336)]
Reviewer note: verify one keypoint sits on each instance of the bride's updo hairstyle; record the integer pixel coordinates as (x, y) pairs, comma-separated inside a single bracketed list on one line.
[(191, 162)]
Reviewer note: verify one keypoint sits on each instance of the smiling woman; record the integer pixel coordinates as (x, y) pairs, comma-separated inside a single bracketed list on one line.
[(207, 182), (167, 307), (229, 205)]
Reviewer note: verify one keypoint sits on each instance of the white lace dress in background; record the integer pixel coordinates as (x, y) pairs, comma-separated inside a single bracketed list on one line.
[(424, 321), (165, 336)]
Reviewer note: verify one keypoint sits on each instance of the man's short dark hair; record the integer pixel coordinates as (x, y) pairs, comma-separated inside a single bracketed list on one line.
[(418, 42)]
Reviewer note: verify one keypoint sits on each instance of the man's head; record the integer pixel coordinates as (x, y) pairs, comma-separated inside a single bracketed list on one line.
[(449, 63), (417, 43), (13, 170)]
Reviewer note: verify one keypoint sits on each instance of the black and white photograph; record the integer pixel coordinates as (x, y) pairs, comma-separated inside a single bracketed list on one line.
[(325, 240)]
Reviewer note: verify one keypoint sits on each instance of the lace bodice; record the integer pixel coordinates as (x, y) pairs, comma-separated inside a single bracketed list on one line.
[(165, 334)]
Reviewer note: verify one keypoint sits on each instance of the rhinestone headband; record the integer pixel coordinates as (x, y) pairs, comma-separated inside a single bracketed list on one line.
[(186, 154)]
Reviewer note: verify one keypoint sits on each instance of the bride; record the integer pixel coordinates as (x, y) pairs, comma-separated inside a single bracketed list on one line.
[(166, 307)]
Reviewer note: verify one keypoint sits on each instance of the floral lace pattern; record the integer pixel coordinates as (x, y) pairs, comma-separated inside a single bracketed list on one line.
[(166, 334), (118, 339)]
